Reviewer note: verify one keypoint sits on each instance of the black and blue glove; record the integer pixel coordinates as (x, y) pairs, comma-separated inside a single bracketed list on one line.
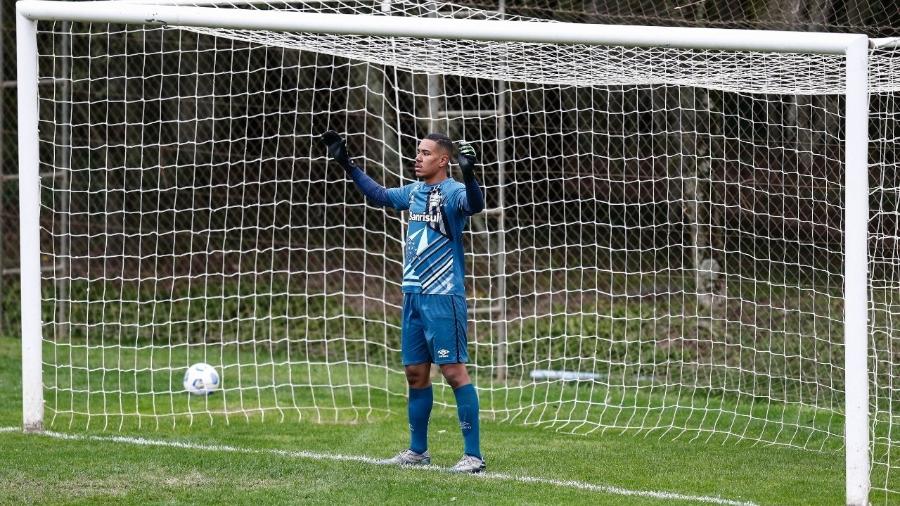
[(467, 159), (337, 148)]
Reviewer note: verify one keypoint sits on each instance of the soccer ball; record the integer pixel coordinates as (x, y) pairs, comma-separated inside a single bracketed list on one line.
[(201, 379)]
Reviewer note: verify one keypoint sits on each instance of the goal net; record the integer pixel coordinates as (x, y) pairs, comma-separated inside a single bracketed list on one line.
[(663, 248), (884, 259)]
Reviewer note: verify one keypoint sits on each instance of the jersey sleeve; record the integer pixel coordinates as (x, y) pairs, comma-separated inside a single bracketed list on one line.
[(456, 200), (399, 197)]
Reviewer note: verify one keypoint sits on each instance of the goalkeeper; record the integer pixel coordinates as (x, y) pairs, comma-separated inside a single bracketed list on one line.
[(434, 297)]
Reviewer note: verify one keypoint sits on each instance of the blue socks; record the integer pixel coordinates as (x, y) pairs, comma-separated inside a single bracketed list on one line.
[(419, 411), (467, 409)]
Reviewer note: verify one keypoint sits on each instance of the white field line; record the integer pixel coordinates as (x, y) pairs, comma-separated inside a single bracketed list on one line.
[(302, 454)]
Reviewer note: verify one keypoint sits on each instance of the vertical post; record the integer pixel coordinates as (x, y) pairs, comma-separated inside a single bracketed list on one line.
[(856, 332), (500, 374), (500, 257), (434, 82), (434, 103), (29, 222), (61, 174)]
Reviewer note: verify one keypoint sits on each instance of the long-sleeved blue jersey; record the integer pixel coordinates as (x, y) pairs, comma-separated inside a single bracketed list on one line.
[(433, 259)]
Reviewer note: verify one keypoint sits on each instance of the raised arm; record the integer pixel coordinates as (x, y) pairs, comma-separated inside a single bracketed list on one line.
[(337, 150), (473, 203)]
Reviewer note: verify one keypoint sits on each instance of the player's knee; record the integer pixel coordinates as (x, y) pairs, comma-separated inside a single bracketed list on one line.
[(455, 374), (418, 376), (417, 380)]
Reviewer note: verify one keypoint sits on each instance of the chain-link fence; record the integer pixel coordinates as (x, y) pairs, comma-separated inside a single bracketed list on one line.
[(9, 196)]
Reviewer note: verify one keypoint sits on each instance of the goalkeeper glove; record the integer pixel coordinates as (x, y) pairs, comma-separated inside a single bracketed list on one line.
[(337, 148), (467, 159)]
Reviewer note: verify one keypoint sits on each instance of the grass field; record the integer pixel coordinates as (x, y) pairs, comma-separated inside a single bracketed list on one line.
[(272, 462)]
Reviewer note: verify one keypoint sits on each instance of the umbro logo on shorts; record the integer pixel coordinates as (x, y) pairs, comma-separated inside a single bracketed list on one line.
[(443, 353)]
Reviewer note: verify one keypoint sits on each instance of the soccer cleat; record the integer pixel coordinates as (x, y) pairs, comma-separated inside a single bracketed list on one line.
[(468, 464), (408, 458)]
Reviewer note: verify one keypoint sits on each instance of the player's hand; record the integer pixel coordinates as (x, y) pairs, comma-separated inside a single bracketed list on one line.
[(466, 158), (337, 147)]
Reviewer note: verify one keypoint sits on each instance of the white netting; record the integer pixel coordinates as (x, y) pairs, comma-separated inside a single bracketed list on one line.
[(884, 251), (667, 224)]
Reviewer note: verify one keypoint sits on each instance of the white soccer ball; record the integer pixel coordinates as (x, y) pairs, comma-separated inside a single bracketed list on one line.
[(201, 379)]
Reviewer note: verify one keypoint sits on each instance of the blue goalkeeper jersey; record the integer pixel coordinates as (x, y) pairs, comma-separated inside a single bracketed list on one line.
[(433, 260)]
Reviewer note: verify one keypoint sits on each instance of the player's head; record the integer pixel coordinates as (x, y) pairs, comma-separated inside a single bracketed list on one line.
[(433, 155)]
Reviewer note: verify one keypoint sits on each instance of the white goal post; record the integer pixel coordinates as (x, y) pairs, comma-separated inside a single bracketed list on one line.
[(853, 48)]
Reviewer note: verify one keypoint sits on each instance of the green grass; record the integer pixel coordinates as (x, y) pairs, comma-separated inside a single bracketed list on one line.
[(129, 388), (748, 334), (48, 470)]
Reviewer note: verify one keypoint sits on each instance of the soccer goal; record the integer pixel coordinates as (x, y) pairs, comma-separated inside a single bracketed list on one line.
[(678, 238)]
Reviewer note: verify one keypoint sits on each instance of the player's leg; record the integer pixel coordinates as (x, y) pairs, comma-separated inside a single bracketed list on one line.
[(417, 365), (418, 376), (446, 329), (421, 398), (467, 410)]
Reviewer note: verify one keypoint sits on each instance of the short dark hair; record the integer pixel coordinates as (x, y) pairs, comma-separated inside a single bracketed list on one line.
[(442, 141)]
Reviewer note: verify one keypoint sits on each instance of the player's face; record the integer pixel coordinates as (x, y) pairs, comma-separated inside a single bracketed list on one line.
[(431, 160)]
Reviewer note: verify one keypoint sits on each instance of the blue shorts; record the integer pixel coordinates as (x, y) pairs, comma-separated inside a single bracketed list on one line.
[(434, 329)]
